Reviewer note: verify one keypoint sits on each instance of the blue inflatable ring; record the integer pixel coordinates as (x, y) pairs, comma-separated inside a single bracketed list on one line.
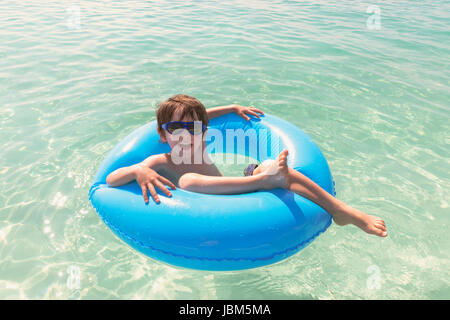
[(217, 232)]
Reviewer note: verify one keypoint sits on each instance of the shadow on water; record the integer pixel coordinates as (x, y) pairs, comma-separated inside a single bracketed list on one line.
[(288, 198)]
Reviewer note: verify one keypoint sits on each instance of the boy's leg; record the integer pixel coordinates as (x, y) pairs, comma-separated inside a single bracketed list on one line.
[(301, 184), (278, 175), (269, 179), (220, 185), (234, 185), (342, 213)]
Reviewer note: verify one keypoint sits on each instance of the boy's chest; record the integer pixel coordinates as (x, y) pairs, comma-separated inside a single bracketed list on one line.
[(205, 169), (174, 172)]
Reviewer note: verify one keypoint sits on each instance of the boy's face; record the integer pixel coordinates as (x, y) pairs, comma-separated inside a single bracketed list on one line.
[(181, 139)]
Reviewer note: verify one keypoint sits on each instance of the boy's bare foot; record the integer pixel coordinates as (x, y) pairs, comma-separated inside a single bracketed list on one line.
[(275, 172), (369, 224)]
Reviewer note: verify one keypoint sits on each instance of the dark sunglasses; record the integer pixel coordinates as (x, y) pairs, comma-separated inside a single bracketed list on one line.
[(189, 126)]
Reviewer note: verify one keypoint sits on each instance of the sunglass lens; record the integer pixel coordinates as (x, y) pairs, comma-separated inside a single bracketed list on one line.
[(171, 127), (191, 128)]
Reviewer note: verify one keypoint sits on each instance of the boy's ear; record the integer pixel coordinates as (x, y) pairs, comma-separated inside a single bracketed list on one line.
[(162, 135)]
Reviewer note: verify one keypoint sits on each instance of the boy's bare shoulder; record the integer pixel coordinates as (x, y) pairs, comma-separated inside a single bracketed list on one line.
[(156, 161)]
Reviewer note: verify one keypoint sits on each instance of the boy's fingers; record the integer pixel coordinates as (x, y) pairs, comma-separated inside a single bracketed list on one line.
[(168, 182), (163, 188), (243, 115), (253, 113), (257, 110), (144, 193), (153, 192)]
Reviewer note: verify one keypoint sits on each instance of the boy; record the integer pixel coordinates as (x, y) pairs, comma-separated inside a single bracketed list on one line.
[(182, 123)]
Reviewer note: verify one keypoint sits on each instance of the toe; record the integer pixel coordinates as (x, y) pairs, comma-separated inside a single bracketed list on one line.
[(380, 231), (284, 153), (380, 225)]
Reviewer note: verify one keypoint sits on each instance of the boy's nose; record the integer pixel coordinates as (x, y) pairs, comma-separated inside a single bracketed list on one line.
[(185, 137)]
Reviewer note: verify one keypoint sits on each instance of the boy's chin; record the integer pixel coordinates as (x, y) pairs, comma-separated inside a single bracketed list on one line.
[(188, 154), (189, 148), (186, 147)]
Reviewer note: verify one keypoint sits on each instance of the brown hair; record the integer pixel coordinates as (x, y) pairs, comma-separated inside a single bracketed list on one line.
[(189, 106)]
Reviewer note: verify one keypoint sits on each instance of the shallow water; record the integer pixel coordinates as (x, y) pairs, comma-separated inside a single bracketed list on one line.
[(78, 77)]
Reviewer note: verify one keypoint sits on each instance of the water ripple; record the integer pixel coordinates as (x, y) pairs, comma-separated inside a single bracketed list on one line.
[(76, 78)]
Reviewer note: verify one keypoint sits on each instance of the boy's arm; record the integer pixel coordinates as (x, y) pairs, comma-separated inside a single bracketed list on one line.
[(239, 110), (220, 111), (145, 175), (124, 175)]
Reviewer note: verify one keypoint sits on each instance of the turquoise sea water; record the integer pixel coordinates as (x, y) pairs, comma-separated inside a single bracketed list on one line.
[(369, 82)]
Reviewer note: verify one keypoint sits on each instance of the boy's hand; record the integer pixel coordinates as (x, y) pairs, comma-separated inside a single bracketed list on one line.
[(243, 111), (148, 178)]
